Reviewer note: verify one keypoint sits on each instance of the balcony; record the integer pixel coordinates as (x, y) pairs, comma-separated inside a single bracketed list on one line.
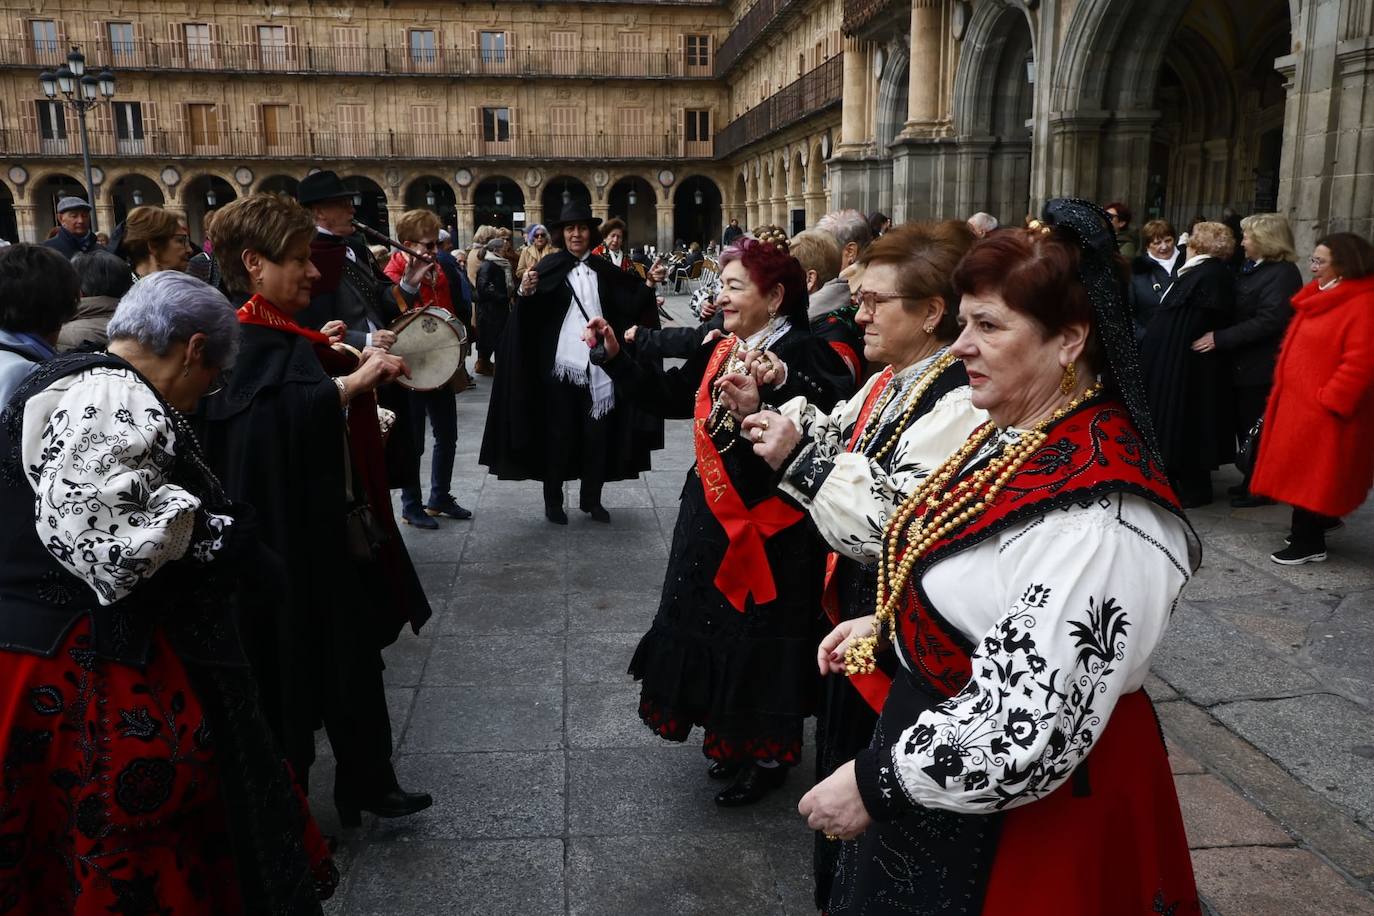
[(861, 14), (813, 93), (239, 57), (331, 144), (759, 21)]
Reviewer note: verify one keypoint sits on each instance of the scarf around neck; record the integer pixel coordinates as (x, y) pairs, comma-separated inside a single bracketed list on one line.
[(572, 360)]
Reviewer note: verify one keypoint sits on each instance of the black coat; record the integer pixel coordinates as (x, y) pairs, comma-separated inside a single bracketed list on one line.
[(491, 286), (1189, 392), (1149, 280), (70, 245), (1263, 294), (520, 441)]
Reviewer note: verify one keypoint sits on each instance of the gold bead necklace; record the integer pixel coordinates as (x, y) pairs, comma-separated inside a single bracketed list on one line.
[(937, 508), (918, 391)]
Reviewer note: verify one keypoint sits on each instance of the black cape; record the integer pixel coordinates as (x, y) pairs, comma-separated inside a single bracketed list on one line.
[(520, 441)]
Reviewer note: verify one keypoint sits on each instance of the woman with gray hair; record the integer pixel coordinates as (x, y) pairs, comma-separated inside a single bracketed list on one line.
[(105, 278), (120, 641)]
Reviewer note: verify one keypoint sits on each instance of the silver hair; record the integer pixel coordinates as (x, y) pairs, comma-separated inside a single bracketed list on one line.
[(982, 223), (847, 226), (168, 307), (497, 245)]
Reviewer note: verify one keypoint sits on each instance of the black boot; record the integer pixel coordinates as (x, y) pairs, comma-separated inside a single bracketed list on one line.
[(722, 770), (553, 502), (752, 785), (393, 803)]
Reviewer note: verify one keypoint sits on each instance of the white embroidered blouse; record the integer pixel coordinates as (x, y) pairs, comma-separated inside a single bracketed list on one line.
[(97, 447), (1066, 610), (849, 495)]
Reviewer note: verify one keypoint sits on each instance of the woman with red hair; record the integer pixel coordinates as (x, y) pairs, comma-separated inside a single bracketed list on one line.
[(731, 647)]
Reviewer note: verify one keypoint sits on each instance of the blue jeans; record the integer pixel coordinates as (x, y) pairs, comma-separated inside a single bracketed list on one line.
[(442, 410)]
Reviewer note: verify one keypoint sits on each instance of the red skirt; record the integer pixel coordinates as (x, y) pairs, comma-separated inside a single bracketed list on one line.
[(110, 799)]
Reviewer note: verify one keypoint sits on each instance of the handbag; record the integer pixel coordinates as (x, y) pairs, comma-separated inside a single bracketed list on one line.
[(1249, 449), (363, 534)]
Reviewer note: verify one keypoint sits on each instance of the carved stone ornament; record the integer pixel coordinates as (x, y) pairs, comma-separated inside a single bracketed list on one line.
[(97, 175), (170, 177), (533, 177), (600, 178), (959, 20), (348, 91), (243, 175), (200, 88), (666, 178), (392, 176), (563, 94), (462, 177), (425, 92), (274, 89), (18, 174)]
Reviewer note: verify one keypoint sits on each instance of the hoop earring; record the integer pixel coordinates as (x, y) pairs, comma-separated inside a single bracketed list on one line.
[(1070, 380)]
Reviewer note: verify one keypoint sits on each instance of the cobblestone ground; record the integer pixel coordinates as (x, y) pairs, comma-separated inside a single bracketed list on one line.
[(513, 708)]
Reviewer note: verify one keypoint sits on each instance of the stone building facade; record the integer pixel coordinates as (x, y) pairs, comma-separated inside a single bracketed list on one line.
[(682, 114)]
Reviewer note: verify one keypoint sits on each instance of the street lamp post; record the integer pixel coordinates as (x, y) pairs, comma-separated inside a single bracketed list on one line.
[(81, 92)]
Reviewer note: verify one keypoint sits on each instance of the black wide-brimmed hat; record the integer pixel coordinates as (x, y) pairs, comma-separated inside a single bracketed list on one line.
[(323, 185), (574, 212)]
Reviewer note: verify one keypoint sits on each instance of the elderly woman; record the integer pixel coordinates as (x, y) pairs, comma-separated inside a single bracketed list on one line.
[(38, 294), (105, 279), (1315, 453), (1017, 766), (295, 432), (1266, 284), (418, 230), (153, 239), (1154, 271), (851, 468), (1190, 390), (730, 647), (612, 246), (831, 320), (138, 768)]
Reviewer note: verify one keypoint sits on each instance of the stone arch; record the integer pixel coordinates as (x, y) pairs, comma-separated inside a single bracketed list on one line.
[(739, 205), (551, 195), (815, 166), (9, 218), (279, 184), (431, 192), (641, 215), (370, 201), (131, 188), (495, 201), (201, 193), (894, 88), (697, 210), (796, 187)]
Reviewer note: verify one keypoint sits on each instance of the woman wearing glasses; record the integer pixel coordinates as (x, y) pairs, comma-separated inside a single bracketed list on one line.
[(851, 468), (536, 247), (1315, 453), (153, 239)]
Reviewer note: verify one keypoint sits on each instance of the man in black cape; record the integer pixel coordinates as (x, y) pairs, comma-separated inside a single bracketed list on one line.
[(553, 414)]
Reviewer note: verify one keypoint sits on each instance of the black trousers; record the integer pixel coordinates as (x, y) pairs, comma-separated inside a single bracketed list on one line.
[(1309, 529), (358, 724), (578, 445), (491, 322)]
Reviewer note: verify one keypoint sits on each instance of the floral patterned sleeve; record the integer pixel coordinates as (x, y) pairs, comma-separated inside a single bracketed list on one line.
[(1087, 593), (97, 448), (850, 497)]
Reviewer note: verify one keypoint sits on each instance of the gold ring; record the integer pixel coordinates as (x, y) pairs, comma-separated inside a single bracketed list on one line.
[(758, 434), (764, 423), (832, 838)]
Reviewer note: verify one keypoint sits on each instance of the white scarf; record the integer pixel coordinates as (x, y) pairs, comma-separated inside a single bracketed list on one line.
[(572, 360)]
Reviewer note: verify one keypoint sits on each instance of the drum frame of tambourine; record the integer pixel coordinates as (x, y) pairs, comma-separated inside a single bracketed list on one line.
[(447, 319)]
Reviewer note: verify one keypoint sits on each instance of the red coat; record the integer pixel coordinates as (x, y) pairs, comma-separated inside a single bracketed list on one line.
[(1317, 448)]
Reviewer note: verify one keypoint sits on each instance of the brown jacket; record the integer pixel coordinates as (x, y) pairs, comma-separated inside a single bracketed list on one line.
[(92, 315)]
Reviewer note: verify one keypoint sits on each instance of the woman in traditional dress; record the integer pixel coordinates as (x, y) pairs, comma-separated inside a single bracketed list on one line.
[(728, 650), (1017, 766), (139, 775), (612, 246), (296, 433), (851, 468)]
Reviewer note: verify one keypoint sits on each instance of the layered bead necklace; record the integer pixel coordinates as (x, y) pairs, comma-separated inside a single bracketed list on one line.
[(934, 510), (927, 379)]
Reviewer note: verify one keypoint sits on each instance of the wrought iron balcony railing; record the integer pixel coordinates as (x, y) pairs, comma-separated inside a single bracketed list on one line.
[(812, 93), (760, 20)]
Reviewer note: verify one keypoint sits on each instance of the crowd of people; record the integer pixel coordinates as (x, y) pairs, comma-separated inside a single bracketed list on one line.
[(206, 441)]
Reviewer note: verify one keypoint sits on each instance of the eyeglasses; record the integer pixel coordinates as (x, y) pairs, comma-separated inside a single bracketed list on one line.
[(430, 245), (870, 299), (1318, 262)]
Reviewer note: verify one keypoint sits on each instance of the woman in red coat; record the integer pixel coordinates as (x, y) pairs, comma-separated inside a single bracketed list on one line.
[(1315, 452)]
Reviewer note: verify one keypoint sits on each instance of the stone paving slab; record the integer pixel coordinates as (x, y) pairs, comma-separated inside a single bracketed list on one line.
[(1276, 882)]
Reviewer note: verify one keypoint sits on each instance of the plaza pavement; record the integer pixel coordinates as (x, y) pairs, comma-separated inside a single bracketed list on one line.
[(513, 708)]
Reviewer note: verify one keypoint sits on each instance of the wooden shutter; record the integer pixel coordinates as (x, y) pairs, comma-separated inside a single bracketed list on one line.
[(298, 138), (103, 143), (475, 120), (153, 141), (514, 130), (176, 40), (293, 41), (28, 117)]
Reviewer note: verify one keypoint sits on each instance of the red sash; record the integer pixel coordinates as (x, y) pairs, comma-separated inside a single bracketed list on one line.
[(1094, 451), (744, 569), (259, 311)]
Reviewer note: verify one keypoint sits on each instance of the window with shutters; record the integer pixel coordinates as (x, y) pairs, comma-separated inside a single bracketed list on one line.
[(203, 123), (52, 123), (495, 125), (697, 49), (199, 47), (564, 46), (696, 132), (565, 138), (276, 125), (634, 132), (272, 49), (352, 120), (44, 36), (633, 60), (122, 47), (425, 130), (493, 47), (348, 48), (128, 127), (424, 47)]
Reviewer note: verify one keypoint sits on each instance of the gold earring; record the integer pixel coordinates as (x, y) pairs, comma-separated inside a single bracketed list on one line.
[(930, 329), (1070, 380)]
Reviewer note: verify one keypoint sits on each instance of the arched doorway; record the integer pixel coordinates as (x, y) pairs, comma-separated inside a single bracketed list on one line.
[(45, 198), (432, 193), (739, 208), (495, 202), (201, 195), (134, 191), (633, 200), (559, 190), (696, 210), (796, 205), (280, 184), (369, 202), (9, 224)]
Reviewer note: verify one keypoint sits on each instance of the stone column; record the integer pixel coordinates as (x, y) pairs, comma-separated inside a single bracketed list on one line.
[(815, 206), (854, 128), (1126, 158), (534, 211), (24, 218), (394, 211), (751, 215), (923, 98), (1076, 145), (464, 214), (602, 211), (665, 226), (104, 217)]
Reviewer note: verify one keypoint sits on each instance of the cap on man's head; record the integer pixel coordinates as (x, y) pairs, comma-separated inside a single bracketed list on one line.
[(72, 203), (443, 235)]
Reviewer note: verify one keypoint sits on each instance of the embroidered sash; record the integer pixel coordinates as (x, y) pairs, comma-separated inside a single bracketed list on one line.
[(259, 311), (744, 569), (1093, 452)]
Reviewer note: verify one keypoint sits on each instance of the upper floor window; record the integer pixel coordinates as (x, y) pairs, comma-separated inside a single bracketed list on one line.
[(44, 35), (493, 47), (272, 44), (199, 48), (698, 50), (698, 125), (121, 39), (52, 120), (424, 48), (495, 125), (203, 122), (128, 120)]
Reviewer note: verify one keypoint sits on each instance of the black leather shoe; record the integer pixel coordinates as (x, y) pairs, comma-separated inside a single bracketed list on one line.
[(719, 769), (598, 514), (1236, 489), (395, 803), (752, 785), (556, 515)]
